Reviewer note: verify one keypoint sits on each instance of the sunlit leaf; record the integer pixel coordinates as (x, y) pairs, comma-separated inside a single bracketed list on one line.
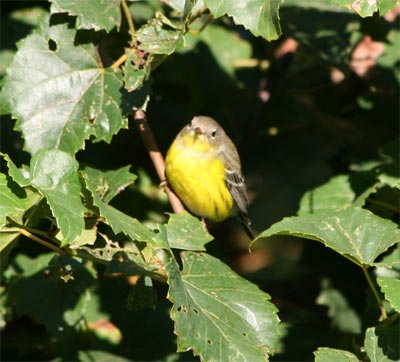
[(354, 232), (13, 198), (158, 36), (110, 183), (54, 174), (185, 231), (391, 288), (218, 314), (88, 14), (382, 343), (67, 95), (261, 17), (119, 221), (334, 355), (362, 7)]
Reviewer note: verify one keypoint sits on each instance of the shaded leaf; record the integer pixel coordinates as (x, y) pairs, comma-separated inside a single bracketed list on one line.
[(354, 232), (343, 316), (61, 307), (228, 49), (186, 232), (391, 288), (54, 174), (67, 95), (89, 355), (88, 14), (261, 17), (217, 313), (142, 295), (382, 343), (334, 355)]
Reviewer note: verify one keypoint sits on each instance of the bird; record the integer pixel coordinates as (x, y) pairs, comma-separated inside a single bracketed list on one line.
[(203, 168)]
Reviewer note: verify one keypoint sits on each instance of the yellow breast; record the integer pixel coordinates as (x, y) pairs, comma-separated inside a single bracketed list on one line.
[(198, 177)]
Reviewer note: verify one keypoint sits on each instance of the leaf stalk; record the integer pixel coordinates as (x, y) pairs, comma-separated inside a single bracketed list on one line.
[(129, 19), (375, 291)]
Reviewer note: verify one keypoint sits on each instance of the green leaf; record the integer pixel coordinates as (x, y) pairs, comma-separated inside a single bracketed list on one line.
[(343, 316), (54, 174), (110, 183), (118, 221), (61, 307), (219, 315), (27, 266), (354, 232), (362, 7), (134, 72), (60, 93), (99, 356), (8, 240), (335, 194), (385, 6), (391, 288), (382, 343), (339, 192), (97, 15), (184, 231), (261, 17), (334, 355), (227, 48), (20, 176), (13, 199), (159, 36)]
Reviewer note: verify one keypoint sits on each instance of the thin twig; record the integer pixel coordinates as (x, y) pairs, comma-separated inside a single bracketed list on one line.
[(29, 235), (156, 156), (375, 291), (119, 61), (206, 22), (129, 19)]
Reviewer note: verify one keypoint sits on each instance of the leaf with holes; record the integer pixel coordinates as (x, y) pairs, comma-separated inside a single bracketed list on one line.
[(66, 95), (88, 14), (354, 232), (218, 314), (261, 17), (54, 174)]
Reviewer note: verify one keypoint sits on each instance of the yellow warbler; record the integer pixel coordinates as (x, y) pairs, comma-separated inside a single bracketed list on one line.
[(203, 168)]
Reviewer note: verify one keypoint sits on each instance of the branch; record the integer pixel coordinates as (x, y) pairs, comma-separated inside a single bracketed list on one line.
[(156, 156)]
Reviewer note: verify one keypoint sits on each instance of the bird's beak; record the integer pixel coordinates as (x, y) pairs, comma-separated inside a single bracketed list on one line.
[(197, 133)]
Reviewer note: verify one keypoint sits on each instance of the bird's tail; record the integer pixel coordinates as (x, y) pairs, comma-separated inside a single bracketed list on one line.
[(246, 223)]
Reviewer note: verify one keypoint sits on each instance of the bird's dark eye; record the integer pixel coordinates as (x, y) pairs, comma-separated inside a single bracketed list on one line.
[(213, 133)]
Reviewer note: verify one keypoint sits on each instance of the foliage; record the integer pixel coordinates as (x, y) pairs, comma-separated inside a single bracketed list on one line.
[(93, 269)]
